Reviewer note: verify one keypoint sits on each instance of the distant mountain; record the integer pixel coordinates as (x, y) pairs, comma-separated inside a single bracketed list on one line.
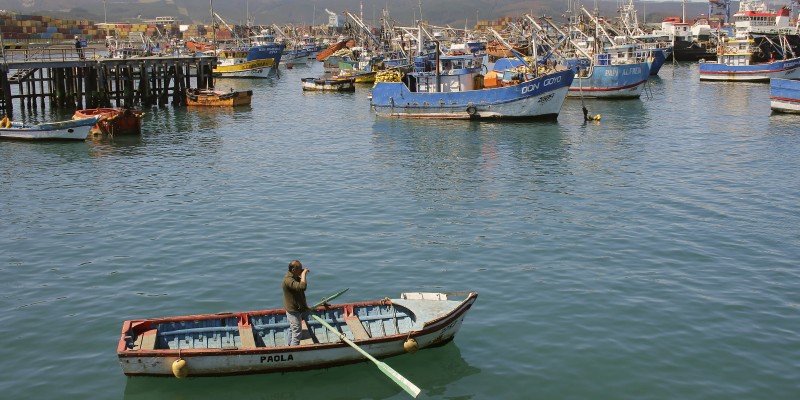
[(305, 12)]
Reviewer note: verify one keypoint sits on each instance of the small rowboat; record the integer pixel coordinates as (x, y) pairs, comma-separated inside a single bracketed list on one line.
[(330, 84), (255, 342), (113, 121), (76, 129), (218, 98)]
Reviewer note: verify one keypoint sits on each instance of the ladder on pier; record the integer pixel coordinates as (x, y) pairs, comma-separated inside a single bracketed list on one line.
[(21, 75)]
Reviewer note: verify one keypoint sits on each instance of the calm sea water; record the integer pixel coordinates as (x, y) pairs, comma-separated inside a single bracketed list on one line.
[(652, 255)]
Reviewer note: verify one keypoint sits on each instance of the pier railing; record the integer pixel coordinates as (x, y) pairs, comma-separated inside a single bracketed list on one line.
[(49, 54)]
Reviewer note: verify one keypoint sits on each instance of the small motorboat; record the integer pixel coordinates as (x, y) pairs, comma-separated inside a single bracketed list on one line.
[(75, 129), (218, 98), (113, 121), (256, 341)]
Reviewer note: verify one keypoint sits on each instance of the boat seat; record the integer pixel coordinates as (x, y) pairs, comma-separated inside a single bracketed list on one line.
[(146, 341), (246, 337), (355, 325), (305, 335)]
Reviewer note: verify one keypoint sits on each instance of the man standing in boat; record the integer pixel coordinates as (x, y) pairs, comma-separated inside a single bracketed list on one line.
[(294, 300)]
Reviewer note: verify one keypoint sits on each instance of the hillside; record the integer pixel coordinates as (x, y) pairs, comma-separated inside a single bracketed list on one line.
[(453, 12)]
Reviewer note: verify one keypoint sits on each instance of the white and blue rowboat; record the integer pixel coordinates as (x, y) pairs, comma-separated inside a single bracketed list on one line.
[(602, 79), (256, 341), (74, 129), (784, 95)]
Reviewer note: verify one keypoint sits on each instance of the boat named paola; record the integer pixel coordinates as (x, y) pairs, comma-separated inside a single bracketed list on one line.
[(256, 341)]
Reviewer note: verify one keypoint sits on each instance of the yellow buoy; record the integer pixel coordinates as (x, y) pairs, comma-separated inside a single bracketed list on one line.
[(180, 369), (597, 117), (411, 345)]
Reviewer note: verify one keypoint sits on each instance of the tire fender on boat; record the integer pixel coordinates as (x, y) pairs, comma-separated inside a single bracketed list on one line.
[(471, 110)]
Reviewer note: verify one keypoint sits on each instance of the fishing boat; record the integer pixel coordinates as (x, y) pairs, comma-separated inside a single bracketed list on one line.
[(234, 63), (113, 121), (756, 18), (217, 98), (741, 59), (690, 42), (455, 89), (255, 342), (330, 84), (601, 77), (75, 129), (784, 95)]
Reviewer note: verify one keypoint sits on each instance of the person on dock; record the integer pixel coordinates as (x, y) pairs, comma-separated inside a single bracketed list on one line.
[(79, 48), (294, 300)]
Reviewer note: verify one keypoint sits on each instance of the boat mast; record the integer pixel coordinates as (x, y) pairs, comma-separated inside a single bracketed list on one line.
[(684, 12)]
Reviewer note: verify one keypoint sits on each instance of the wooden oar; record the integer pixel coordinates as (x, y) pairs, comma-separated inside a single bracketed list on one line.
[(404, 383), (329, 298)]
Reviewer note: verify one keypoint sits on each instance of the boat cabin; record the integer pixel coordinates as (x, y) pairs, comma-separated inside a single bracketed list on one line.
[(453, 74)]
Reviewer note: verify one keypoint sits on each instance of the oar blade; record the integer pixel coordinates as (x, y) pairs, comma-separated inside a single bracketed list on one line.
[(400, 380)]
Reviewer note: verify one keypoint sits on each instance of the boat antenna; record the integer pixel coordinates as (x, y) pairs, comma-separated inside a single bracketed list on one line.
[(213, 32)]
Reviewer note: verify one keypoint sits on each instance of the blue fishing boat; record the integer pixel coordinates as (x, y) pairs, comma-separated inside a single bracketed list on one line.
[(601, 78), (264, 47), (784, 95), (453, 88), (742, 59)]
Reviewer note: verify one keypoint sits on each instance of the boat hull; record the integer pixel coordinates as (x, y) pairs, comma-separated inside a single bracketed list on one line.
[(785, 96), (113, 121), (77, 129), (763, 72), (660, 56), (249, 69), (538, 98), (612, 81), (438, 325), (692, 51)]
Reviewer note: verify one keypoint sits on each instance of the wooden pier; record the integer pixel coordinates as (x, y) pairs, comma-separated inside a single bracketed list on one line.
[(61, 79)]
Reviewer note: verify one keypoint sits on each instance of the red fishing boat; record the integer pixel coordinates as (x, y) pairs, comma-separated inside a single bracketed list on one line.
[(113, 121)]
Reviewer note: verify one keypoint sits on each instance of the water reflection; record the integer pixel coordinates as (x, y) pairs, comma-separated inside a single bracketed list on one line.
[(432, 370)]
